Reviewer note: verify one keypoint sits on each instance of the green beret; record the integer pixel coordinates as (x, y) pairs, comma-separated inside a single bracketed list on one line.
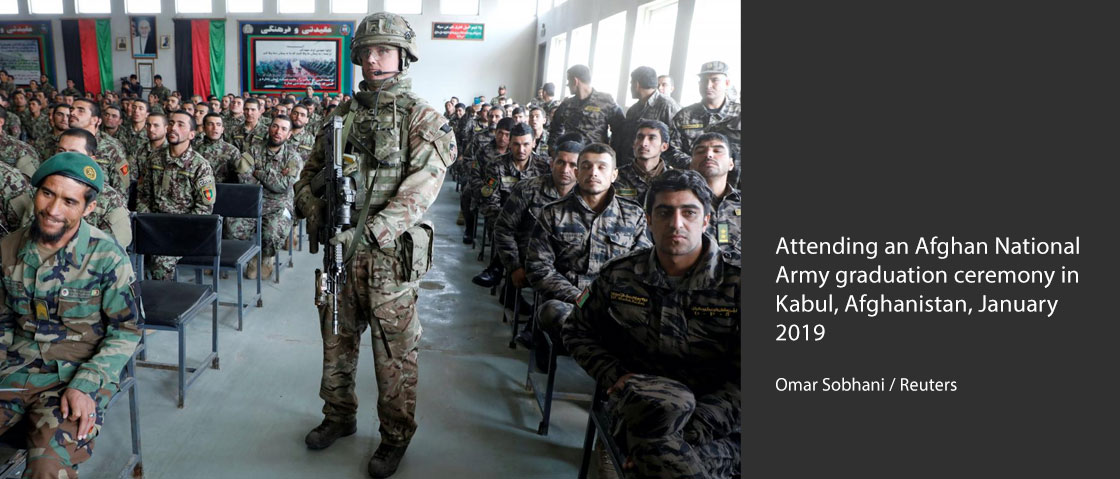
[(75, 166)]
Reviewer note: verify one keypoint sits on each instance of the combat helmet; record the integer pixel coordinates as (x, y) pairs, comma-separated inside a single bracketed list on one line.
[(384, 28)]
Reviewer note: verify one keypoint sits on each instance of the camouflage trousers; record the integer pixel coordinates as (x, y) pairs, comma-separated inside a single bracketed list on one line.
[(52, 449), (275, 228), (649, 417), (374, 292), (161, 267)]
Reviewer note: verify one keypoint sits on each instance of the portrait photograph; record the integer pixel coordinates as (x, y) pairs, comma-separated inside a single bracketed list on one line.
[(142, 31)]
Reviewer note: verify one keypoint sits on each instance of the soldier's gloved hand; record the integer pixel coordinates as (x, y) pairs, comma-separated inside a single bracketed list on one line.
[(344, 238)]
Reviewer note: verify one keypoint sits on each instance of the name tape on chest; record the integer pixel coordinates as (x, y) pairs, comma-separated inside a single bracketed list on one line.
[(692, 126), (714, 311), (592, 109), (626, 192), (629, 299)]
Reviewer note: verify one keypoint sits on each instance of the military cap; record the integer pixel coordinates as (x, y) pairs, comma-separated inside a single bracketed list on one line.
[(713, 67), (75, 166)]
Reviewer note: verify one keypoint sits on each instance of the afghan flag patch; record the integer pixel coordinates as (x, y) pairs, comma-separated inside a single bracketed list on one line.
[(208, 193), (583, 297)]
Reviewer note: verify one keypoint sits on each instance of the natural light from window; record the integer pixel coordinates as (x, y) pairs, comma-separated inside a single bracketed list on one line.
[(349, 6), (93, 6), (608, 54), (9, 7), (45, 6), (653, 41), (458, 7), (555, 73), (194, 6), (142, 6), (405, 7), (714, 35), (245, 6), (579, 50), (295, 6)]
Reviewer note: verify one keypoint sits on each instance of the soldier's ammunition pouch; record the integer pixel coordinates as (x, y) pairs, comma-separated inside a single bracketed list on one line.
[(415, 250)]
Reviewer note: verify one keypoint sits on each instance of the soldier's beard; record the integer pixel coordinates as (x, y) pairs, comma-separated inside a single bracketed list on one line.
[(39, 236)]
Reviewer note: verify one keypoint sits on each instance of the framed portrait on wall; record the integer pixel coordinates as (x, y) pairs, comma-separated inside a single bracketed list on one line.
[(142, 32), (164, 42), (122, 45), (145, 70)]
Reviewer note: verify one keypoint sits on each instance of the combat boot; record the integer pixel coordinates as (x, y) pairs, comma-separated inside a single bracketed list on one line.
[(385, 460), (251, 269), (266, 268), (326, 433)]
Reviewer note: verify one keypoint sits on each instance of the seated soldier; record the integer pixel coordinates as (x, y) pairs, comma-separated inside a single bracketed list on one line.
[(500, 176), (577, 235), (650, 141), (15, 203), (486, 147), (521, 210), (64, 336), (710, 158), (660, 328), (111, 214), (217, 151), (275, 165), (16, 153)]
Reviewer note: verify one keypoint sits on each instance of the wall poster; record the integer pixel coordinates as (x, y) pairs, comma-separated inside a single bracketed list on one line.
[(283, 57), (27, 51), (458, 31)]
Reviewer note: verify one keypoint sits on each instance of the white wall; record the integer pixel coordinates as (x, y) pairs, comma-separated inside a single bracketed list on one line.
[(446, 67)]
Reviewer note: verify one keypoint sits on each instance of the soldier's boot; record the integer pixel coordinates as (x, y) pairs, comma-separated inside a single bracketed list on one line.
[(251, 269), (385, 460), (327, 432), (266, 268)]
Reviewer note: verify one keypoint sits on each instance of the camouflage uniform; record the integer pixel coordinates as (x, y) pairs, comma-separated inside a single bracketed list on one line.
[(14, 199), (303, 142), (113, 160), (549, 107), (519, 214), (39, 127), (658, 107), (679, 415), (144, 159), (540, 146), (14, 126), (590, 116), (70, 91), (162, 92), (244, 138), (19, 155), (571, 243), (276, 172), (221, 155), (501, 174), (66, 321), (693, 121), (633, 184), (731, 128), (232, 125), (724, 224), (46, 145), (413, 146), (183, 185), (8, 87)]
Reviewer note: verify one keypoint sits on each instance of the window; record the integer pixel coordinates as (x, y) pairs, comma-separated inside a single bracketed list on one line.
[(458, 7), (45, 6), (608, 55), (543, 6), (555, 73), (653, 41), (404, 7), (9, 7), (559, 2), (295, 6), (142, 6), (714, 35), (579, 50), (349, 6), (194, 6), (245, 6), (93, 6)]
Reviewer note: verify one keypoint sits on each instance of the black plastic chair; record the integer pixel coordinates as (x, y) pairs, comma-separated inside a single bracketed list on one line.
[(598, 422), (17, 436), (170, 305), (235, 201), (545, 396), (512, 314)]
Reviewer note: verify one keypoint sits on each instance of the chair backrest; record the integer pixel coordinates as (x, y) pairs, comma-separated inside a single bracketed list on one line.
[(238, 201), (177, 235)]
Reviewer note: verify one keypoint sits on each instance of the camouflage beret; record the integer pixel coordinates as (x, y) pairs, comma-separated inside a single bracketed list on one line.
[(75, 166)]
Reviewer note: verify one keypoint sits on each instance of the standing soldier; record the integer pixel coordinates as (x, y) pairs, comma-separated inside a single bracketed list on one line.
[(402, 147), (16, 153), (178, 180), (159, 90), (70, 90), (587, 111), (548, 103), (651, 105), (715, 106), (39, 123), (15, 202), (275, 166)]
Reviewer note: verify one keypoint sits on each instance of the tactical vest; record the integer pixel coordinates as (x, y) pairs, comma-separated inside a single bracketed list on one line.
[(383, 138)]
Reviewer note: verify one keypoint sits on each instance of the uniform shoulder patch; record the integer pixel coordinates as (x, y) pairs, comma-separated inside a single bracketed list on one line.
[(583, 297), (446, 128)]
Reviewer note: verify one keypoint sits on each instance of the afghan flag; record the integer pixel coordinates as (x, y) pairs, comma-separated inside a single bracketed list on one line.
[(202, 45), (90, 65)]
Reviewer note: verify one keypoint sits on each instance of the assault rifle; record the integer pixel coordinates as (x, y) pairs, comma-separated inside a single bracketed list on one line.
[(337, 190)]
